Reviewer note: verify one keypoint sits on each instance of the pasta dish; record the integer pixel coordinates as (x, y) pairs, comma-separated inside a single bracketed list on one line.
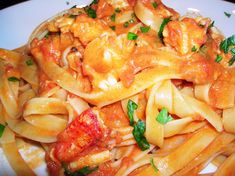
[(117, 88)]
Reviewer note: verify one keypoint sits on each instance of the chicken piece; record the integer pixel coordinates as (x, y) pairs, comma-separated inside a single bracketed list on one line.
[(87, 29), (186, 36)]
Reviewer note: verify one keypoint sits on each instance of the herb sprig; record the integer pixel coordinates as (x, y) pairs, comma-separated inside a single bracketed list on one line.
[(227, 14), (144, 29), (81, 172), (153, 165), (132, 36), (138, 133), (163, 117), (2, 128), (131, 107), (164, 23), (139, 127), (228, 45), (13, 79)]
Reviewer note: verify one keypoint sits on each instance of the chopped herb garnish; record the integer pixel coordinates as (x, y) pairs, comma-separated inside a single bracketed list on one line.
[(154, 4), (138, 133), (47, 35), (73, 6), (212, 24), (164, 23), (233, 51), (153, 165), (232, 39), (113, 28), (81, 172), (95, 2), (91, 12), (29, 62), (113, 17), (13, 79), (72, 16), (231, 61), (126, 24), (228, 45), (218, 58), (117, 10), (144, 29), (2, 127), (163, 116), (194, 49), (131, 107), (67, 2), (132, 36), (139, 127), (227, 14)]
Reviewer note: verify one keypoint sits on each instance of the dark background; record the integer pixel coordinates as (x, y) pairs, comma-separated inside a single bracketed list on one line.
[(7, 3)]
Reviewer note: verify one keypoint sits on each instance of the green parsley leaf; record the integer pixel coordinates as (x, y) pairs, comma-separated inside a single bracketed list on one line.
[(113, 27), (144, 29), (13, 79), (212, 24), (164, 23), (224, 45), (91, 12), (154, 4), (163, 116), (227, 43), (29, 62), (153, 165), (2, 128), (231, 61), (81, 172), (227, 14), (233, 51), (131, 107), (132, 36), (126, 24), (117, 10), (194, 49), (47, 35), (232, 39), (113, 17), (138, 133), (73, 6), (218, 58), (95, 2)]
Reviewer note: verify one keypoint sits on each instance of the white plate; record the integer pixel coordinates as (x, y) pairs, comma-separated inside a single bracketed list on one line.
[(17, 22)]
